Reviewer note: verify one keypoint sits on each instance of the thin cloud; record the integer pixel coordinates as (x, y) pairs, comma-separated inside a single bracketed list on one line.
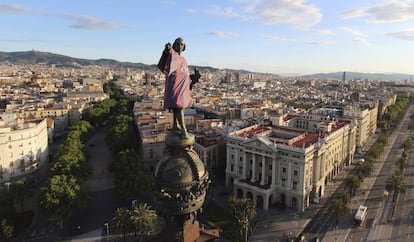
[(294, 12), (358, 36), (89, 22), (360, 39), (387, 12), (79, 21), (220, 11), (407, 34), (14, 9), (352, 31), (278, 39), (190, 10), (223, 34), (320, 31), (330, 42)]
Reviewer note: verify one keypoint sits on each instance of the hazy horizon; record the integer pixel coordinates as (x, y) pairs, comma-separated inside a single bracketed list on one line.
[(266, 36)]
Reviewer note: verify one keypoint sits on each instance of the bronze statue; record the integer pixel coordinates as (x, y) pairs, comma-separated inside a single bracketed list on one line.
[(178, 83)]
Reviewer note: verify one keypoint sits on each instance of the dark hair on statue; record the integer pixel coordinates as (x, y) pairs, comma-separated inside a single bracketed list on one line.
[(177, 42)]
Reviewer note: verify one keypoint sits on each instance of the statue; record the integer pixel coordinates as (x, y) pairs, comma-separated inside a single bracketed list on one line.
[(178, 83)]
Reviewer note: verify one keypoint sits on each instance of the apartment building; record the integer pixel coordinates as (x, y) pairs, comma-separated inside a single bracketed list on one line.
[(288, 165), (365, 116), (24, 149), (209, 144)]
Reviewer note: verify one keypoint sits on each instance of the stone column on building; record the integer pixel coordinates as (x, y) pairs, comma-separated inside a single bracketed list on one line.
[(244, 165), (289, 176), (228, 160), (253, 178), (266, 203), (262, 182), (274, 171), (237, 162)]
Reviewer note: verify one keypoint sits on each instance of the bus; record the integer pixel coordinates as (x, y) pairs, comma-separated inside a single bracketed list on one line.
[(360, 215)]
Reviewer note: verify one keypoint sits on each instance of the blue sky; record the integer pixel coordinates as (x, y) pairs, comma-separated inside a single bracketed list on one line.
[(273, 36)]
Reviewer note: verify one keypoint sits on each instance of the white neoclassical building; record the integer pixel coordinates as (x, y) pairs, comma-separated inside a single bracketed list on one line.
[(286, 165), (24, 148)]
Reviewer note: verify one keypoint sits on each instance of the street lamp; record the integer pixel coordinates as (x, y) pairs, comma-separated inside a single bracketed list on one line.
[(107, 228)]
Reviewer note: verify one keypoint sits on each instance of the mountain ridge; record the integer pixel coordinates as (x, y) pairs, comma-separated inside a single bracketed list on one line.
[(37, 57)]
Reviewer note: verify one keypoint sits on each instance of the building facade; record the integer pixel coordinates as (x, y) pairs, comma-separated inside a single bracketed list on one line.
[(24, 150), (289, 166)]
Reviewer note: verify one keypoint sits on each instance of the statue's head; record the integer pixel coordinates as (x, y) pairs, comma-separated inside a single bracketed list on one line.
[(179, 45)]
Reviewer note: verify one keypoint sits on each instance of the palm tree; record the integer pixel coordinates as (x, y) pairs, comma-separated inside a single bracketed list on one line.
[(338, 205), (243, 211), (143, 218), (402, 161), (396, 183), (122, 221), (366, 167), (352, 182)]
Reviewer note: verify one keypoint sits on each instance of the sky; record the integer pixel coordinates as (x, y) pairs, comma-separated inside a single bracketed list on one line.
[(270, 36)]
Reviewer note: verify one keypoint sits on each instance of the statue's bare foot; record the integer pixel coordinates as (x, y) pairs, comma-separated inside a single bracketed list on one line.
[(175, 128), (184, 134)]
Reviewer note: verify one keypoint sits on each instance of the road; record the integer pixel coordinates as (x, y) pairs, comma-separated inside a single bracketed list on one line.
[(404, 214), (378, 226), (371, 193)]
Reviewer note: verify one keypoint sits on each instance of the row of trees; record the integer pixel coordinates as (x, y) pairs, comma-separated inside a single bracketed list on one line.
[(64, 190), (130, 176), (339, 202)]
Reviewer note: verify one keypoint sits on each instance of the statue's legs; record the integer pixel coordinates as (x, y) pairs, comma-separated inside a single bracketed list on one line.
[(179, 116), (175, 121)]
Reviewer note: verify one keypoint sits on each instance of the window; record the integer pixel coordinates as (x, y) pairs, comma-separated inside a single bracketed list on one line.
[(295, 172), (231, 167), (232, 156), (295, 185), (283, 182), (284, 169)]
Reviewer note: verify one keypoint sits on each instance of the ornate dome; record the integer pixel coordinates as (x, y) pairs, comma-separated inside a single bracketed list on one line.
[(181, 179)]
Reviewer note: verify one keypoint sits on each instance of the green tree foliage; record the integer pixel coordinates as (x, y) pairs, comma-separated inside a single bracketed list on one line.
[(68, 164), (120, 135), (60, 195), (19, 189), (407, 144), (130, 177), (84, 128), (143, 218), (366, 168), (396, 183), (122, 221), (339, 202), (6, 229), (352, 182), (402, 161), (243, 212)]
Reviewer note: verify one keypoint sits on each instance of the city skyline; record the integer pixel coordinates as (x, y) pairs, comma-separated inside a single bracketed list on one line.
[(281, 37)]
